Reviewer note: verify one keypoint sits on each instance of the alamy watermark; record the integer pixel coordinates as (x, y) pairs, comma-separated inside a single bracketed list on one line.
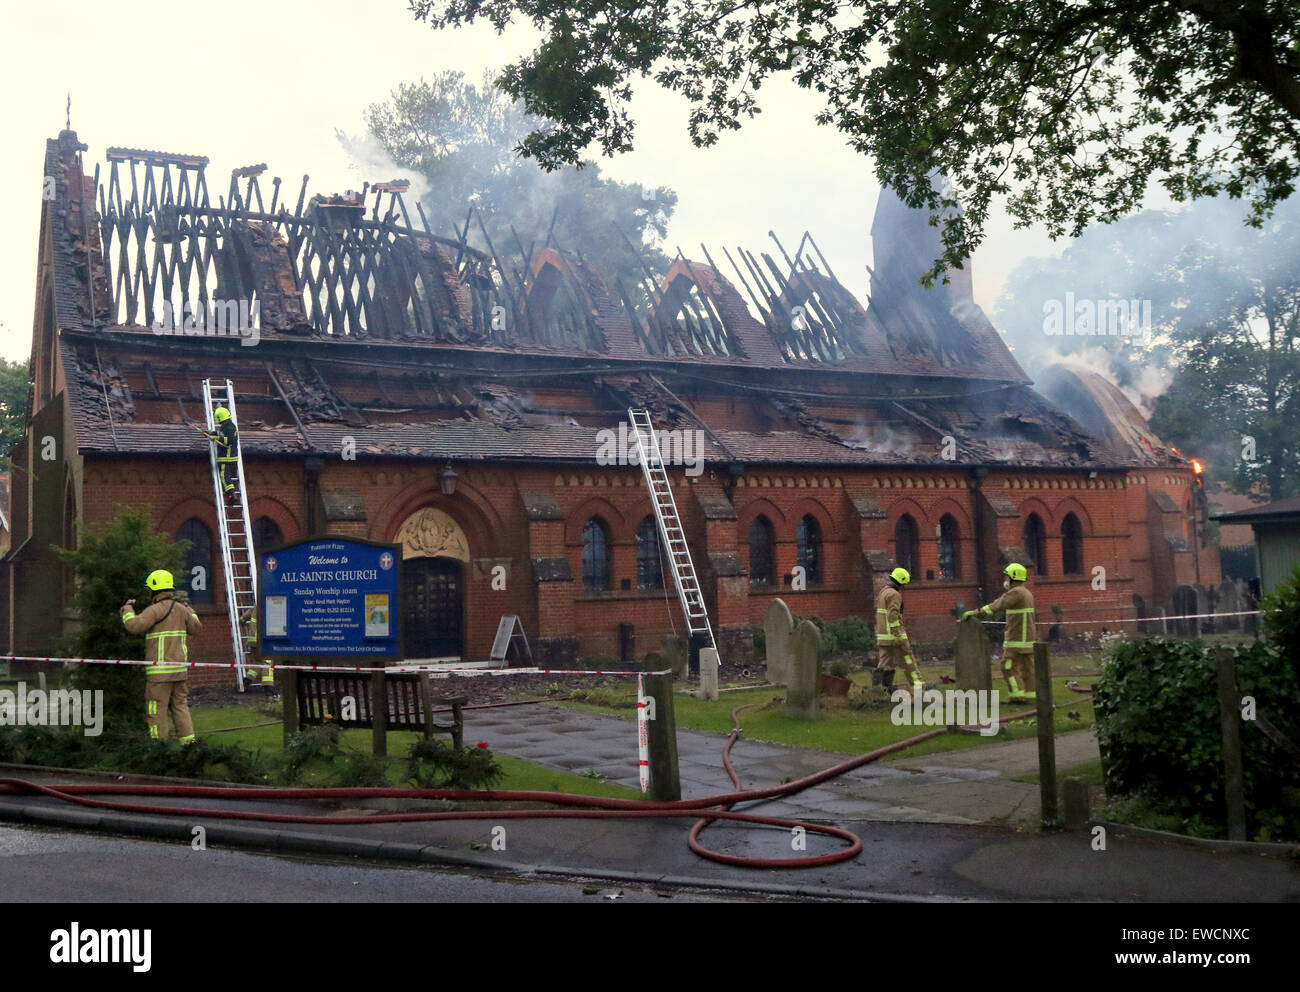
[(947, 708), (213, 319), (1085, 317), (53, 708), (676, 447)]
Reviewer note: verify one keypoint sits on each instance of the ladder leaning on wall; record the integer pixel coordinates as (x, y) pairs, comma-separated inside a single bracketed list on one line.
[(670, 529), (236, 530)]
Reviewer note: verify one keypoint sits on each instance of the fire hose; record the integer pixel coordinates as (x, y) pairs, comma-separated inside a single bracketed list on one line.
[(707, 809)]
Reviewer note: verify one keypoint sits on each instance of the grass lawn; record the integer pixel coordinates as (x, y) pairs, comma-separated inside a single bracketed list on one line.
[(519, 774), (842, 729)]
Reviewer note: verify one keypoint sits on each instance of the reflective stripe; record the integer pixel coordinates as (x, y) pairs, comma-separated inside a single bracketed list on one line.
[(127, 616), (161, 666), (153, 731)]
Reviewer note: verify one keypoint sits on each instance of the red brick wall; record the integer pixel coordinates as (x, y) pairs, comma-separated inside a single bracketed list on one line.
[(488, 506)]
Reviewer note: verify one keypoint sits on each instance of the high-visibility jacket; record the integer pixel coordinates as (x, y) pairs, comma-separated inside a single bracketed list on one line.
[(1018, 602), (889, 617), (166, 624)]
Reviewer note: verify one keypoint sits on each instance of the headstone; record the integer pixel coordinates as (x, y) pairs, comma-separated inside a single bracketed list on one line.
[(974, 669), (708, 674), (675, 656), (654, 662), (777, 626), (803, 695)]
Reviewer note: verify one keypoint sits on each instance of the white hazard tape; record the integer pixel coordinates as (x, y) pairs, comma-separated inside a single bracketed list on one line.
[(389, 670), (1184, 616), (642, 734)]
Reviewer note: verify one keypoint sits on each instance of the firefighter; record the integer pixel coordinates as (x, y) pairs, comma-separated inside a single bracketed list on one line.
[(226, 439), (249, 621), (166, 623), (1018, 642), (891, 636)]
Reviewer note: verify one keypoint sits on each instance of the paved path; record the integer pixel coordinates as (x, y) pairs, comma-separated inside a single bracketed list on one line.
[(971, 785)]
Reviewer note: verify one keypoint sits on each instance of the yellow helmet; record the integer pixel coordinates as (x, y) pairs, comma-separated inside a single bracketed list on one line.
[(222, 414), (160, 579), (901, 576), (1017, 573)]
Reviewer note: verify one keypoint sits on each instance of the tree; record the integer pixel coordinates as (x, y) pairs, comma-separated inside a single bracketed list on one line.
[(15, 379), (464, 137), (110, 563), (1069, 108), (1225, 318)]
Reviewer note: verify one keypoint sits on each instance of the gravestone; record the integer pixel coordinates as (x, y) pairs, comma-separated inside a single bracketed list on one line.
[(974, 668), (803, 695), (675, 657), (708, 674), (777, 626), (654, 662)]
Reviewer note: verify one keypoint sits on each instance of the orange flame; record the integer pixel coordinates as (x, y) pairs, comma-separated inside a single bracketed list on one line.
[(1197, 467)]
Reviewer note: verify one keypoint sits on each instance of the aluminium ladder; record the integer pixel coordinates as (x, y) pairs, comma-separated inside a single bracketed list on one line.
[(236, 531), (670, 528)]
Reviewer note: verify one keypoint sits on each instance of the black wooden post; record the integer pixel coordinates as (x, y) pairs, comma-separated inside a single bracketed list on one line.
[(665, 783), (379, 709), (1046, 737), (1230, 726), (289, 702)]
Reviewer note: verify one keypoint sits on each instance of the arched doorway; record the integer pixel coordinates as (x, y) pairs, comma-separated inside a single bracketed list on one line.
[(434, 555), (433, 606)]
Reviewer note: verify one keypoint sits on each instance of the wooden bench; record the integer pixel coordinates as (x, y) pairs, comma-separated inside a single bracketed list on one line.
[(411, 703)]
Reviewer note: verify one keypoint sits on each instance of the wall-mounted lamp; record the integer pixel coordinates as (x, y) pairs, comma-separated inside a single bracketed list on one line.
[(447, 480)]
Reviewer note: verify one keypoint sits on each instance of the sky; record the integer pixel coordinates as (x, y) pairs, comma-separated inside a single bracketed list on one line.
[(246, 82)]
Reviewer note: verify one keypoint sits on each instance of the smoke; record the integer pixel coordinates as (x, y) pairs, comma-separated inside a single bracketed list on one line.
[(1145, 385), (369, 161)]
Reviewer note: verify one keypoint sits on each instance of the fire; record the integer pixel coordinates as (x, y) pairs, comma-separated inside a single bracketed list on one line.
[(1197, 467)]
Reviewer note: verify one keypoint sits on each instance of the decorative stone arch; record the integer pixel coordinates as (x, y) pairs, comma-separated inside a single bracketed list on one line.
[(482, 525), (430, 532), (911, 507)]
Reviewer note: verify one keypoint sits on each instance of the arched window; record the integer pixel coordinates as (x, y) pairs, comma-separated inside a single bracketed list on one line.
[(907, 544), (649, 564), (1071, 545), (949, 553), (595, 555), (762, 563), (808, 542), (197, 577), (266, 534), (1036, 544)]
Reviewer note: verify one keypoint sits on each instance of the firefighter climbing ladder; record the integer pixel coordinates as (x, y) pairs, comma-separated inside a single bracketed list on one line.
[(236, 531), (670, 528)]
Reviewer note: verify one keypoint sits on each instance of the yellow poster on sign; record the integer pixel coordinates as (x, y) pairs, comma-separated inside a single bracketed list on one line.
[(377, 614)]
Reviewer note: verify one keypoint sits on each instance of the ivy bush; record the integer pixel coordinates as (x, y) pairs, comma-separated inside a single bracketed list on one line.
[(1158, 726)]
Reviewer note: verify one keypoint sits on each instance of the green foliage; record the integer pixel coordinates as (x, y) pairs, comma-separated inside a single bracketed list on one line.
[(1069, 112), (111, 562), (436, 764), (1281, 617), (759, 634), (1158, 727), (15, 380), (362, 771), (840, 669), (464, 139), (849, 634), (121, 751), (307, 745)]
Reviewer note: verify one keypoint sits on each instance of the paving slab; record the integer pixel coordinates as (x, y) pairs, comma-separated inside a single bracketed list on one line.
[(970, 785)]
